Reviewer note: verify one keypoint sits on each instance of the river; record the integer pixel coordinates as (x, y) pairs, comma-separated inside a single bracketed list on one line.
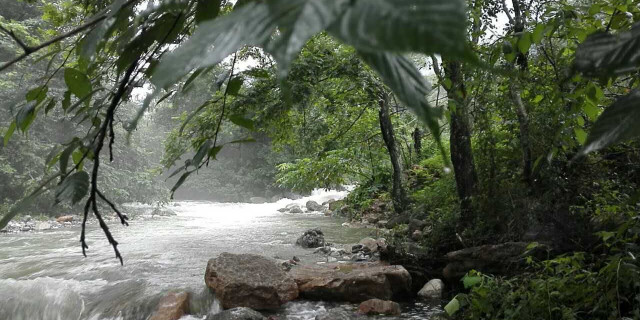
[(44, 275)]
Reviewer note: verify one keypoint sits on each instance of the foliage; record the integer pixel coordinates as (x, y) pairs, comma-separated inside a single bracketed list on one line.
[(573, 286)]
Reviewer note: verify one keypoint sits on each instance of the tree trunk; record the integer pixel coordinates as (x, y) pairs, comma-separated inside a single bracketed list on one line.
[(398, 194), (518, 23), (525, 144), (417, 143), (460, 140)]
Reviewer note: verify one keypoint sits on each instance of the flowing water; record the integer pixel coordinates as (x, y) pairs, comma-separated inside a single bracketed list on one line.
[(44, 275)]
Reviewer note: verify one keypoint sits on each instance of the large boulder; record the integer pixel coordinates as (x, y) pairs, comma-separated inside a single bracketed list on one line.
[(502, 259), (377, 306), (312, 238), (247, 280), (240, 313), (354, 282), (172, 306), (293, 208), (313, 206), (432, 289)]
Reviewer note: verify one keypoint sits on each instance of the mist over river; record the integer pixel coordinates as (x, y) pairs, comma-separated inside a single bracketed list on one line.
[(44, 275)]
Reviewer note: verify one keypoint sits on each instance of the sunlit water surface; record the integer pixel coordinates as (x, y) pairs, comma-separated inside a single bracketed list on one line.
[(44, 275)]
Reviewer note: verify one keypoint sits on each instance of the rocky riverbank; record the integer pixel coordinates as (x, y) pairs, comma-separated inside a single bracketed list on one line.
[(27, 223), (250, 286)]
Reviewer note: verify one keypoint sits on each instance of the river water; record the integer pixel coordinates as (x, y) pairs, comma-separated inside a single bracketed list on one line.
[(44, 275)]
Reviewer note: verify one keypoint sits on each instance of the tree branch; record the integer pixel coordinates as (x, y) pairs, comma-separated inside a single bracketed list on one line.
[(30, 50), (101, 136), (15, 38)]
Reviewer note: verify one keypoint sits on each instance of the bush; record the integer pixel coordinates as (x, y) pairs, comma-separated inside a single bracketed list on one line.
[(579, 285)]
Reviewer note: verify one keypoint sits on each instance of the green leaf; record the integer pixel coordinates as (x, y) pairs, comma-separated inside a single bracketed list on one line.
[(243, 141), (591, 110), (66, 102), (407, 83), (37, 94), (214, 152), (91, 41), (77, 82), (202, 152), (77, 157), (305, 19), (50, 105), (234, 86), (452, 307), (242, 122), (214, 40), (617, 123), (538, 98), (581, 135), (207, 10), (609, 54), (470, 281), (180, 181), (426, 26), (9, 133), (64, 156), (25, 116), (409, 86), (538, 33), (73, 187), (594, 9), (524, 42)]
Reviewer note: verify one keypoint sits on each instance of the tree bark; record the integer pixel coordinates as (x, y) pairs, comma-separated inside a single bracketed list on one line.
[(417, 143), (460, 140), (398, 194), (525, 144)]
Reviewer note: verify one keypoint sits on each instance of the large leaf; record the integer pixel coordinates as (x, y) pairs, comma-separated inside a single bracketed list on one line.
[(91, 41), (409, 86), (9, 133), (617, 123), (427, 26), (452, 307), (77, 82), (207, 10), (609, 54), (216, 39), (26, 115), (407, 83), (73, 187), (306, 18), (233, 88), (242, 122)]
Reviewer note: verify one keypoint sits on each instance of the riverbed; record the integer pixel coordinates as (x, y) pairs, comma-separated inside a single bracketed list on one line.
[(43, 275)]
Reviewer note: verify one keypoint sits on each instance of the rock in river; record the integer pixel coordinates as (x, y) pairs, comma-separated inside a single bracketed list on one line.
[(237, 314), (354, 282), (63, 219), (172, 306), (377, 306), (313, 206), (247, 280), (432, 289), (312, 238)]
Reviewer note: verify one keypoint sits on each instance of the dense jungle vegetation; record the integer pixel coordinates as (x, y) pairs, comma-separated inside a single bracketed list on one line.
[(489, 121)]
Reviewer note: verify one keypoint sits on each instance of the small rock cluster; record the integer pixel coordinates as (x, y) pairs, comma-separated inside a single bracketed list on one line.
[(312, 238), (310, 206), (28, 224)]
